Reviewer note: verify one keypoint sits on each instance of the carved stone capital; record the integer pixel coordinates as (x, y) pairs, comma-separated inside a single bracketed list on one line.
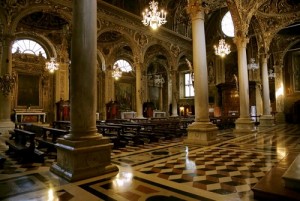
[(241, 41), (194, 7)]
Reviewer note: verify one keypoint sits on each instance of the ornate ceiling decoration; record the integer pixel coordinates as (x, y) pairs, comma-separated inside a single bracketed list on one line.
[(44, 21), (110, 36)]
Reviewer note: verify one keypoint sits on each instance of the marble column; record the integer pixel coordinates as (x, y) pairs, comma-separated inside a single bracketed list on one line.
[(279, 94), (83, 153), (139, 91), (202, 131), (244, 124), (174, 94), (7, 85), (266, 119)]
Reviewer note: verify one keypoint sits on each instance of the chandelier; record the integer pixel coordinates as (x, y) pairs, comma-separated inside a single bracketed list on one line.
[(52, 65), (159, 80), (252, 65), (222, 49), (153, 17), (117, 72)]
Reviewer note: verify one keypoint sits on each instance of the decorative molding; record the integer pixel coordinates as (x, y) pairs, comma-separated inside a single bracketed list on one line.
[(7, 83)]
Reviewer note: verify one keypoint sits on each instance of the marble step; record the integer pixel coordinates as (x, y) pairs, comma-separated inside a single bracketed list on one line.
[(272, 187), (291, 177)]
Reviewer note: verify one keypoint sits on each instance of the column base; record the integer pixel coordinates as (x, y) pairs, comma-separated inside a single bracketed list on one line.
[(202, 133), (244, 126), (6, 126), (266, 121), (78, 160)]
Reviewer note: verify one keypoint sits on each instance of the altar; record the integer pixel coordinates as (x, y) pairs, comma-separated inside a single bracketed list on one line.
[(37, 116), (159, 114), (128, 115)]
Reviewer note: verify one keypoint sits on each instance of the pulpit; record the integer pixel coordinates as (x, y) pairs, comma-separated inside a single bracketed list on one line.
[(148, 108), (63, 110)]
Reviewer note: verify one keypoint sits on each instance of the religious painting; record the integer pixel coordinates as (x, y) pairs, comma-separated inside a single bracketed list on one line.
[(28, 90), (124, 92), (296, 72)]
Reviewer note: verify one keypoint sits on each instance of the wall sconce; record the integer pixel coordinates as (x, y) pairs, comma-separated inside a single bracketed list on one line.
[(7, 83)]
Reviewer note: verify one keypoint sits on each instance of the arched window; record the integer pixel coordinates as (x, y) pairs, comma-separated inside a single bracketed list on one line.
[(28, 47), (123, 65), (227, 25)]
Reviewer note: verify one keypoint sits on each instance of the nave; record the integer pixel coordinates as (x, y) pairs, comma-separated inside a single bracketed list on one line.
[(165, 170)]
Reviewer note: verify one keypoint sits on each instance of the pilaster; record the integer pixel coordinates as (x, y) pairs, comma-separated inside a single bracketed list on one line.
[(174, 93), (139, 90), (279, 94), (7, 82)]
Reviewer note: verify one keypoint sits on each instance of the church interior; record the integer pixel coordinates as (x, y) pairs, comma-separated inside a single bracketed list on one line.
[(149, 100)]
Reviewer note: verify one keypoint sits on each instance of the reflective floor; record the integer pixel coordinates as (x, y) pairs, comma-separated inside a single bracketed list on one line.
[(168, 170)]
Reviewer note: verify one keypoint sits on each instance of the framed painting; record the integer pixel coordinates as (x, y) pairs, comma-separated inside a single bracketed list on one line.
[(124, 95), (28, 90)]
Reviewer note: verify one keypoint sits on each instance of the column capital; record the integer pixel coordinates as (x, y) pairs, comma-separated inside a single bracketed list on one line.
[(264, 56), (241, 41), (196, 7)]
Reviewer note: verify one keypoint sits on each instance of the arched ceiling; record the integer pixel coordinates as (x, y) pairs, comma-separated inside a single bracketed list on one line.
[(43, 21)]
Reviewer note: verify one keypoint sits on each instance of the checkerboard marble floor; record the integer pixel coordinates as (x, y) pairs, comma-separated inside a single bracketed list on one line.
[(168, 170)]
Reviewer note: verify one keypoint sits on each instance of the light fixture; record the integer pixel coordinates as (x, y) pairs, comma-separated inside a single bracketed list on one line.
[(7, 83), (159, 80), (222, 49), (153, 17), (52, 65), (271, 74), (117, 72), (252, 65)]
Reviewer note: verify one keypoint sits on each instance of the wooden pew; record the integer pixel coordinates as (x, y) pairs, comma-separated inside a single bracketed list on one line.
[(113, 132), (22, 146), (2, 160), (65, 125), (131, 133), (49, 138)]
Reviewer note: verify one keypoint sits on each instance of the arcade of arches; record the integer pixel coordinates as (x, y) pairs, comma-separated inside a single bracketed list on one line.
[(173, 72)]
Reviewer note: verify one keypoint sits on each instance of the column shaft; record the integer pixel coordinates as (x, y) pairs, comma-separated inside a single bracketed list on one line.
[(83, 71), (200, 68), (266, 119), (244, 124), (266, 88), (243, 77)]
